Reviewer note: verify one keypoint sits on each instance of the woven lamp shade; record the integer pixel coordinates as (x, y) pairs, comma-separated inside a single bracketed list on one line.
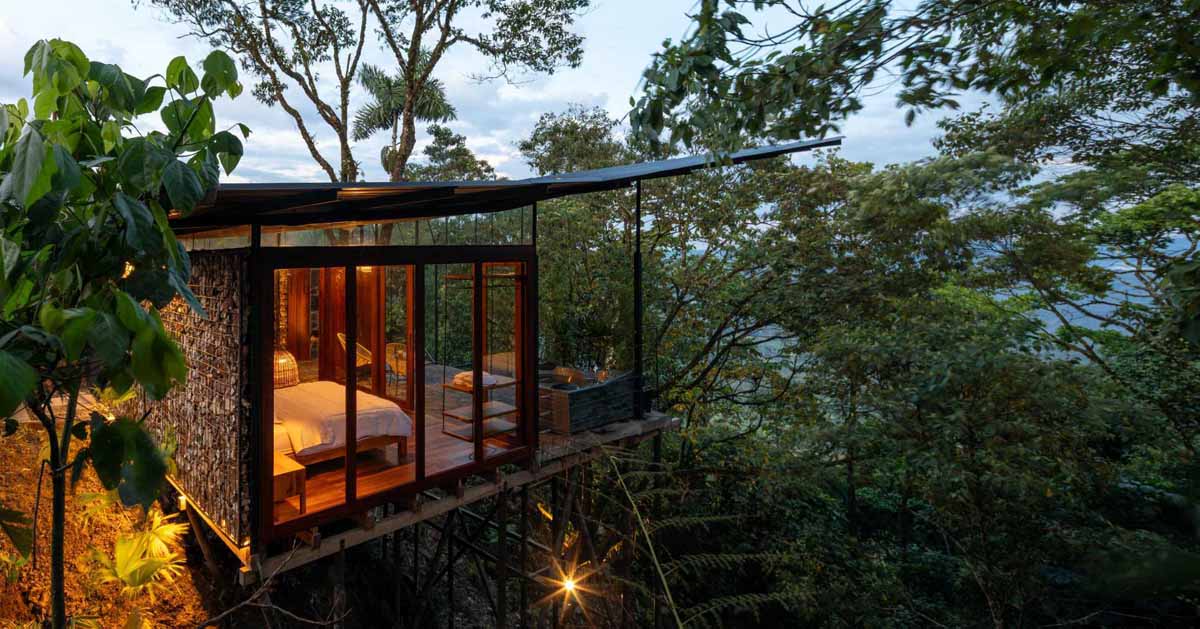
[(287, 372)]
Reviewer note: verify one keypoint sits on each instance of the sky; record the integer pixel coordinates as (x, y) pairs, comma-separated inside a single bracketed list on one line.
[(620, 37)]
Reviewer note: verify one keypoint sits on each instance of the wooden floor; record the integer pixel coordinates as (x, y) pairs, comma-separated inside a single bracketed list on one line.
[(380, 470)]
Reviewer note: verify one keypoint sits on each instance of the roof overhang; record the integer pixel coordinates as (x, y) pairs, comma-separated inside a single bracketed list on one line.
[(314, 203)]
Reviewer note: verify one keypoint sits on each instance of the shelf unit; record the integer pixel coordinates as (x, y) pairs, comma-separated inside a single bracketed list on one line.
[(499, 418)]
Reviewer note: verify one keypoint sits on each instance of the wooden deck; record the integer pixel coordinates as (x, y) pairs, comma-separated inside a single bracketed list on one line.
[(556, 454)]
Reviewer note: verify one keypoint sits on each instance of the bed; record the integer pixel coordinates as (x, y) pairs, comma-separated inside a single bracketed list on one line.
[(310, 422)]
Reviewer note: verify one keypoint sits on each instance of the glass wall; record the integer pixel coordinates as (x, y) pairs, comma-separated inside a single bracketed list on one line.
[(384, 338), (503, 294), (365, 356), (309, 396), (506, 227), (450, 351)]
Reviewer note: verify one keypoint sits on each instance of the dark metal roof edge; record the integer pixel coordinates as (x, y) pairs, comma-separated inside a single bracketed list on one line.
[(241, 205)]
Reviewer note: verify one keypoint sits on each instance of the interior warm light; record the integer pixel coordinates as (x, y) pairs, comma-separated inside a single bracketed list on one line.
[(128, 270), (569, 585)]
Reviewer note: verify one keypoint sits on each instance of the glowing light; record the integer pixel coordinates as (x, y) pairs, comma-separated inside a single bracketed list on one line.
[(569, 585), (128, 270)]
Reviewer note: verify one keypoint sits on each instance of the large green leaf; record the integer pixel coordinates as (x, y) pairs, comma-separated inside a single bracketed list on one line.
[(32, 167), (116, 84), (182, 185), (126, 459), (76, 329), (140, 232), (151, 100), (16, 382), (16, 526), (228, 148), (181, 77), (220, 73), (67, 175), (109, 340), (129, 313), (158, 364)]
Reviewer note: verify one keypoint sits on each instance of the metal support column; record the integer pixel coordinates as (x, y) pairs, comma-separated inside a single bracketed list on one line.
[(524, 527), (639, 407), (502, 560), (450, 571)]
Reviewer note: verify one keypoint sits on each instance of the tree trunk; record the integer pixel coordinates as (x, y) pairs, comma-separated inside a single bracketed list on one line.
[(58, 602), (349, 166), (408, 139)]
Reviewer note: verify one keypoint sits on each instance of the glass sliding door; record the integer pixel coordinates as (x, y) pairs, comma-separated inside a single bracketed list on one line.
[(385, 445), (308, 394), (503, 355), (449, 370)]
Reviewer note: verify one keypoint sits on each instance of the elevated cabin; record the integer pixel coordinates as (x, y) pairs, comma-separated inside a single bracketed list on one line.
[(367, 342)]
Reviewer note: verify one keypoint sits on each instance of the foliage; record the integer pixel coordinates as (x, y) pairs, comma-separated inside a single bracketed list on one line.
[(386, 108), (288, 44), (447, 158), (89, 258), (733, 77), (147, 560)]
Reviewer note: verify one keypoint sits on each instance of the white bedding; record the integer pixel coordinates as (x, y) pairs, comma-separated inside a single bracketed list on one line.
[(314, 416)]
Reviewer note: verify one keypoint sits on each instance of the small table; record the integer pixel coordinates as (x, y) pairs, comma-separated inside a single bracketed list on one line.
[(290, 480)]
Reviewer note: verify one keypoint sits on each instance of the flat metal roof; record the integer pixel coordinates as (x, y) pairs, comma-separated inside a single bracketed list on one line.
[(313, 203)]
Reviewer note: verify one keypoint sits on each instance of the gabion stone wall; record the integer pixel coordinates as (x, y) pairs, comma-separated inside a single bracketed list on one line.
[(210, 414)]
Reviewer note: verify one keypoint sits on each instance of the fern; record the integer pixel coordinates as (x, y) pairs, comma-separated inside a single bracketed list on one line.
[(145, 561), (698, 564), (702, 521), (746, 603)]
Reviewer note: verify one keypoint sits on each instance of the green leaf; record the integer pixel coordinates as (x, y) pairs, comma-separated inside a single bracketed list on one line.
[(129, 313), (29, 177), (176, 114), (181, 77), (110, 132), (126, 459), (200, 127), (140, 232), (228, 148), (76, 330), (158, 364), (220, 73), (119, 90), (16, 527), (67, 175), (51, 318), (206, 167), (109, 340), (10, 254), (183, 186), (18, 382), (45, 104), (151, 100)]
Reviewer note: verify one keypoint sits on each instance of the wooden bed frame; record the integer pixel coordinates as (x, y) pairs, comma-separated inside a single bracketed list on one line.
[(369, 443)]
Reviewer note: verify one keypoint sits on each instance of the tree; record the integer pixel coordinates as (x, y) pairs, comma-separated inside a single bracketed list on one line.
[(286, 43), (384, 112), (734, 78), (449, 159), (89, 257)]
